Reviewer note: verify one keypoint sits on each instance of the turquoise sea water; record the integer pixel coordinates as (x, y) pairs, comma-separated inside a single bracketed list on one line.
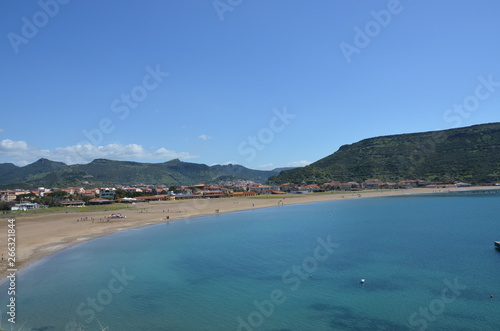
[(428, 261)]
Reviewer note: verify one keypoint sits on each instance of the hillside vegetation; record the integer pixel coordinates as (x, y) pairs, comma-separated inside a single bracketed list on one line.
[(470, 154), (107, 172)]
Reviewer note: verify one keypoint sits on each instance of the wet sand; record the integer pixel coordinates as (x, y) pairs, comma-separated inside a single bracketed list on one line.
[(40, 235)]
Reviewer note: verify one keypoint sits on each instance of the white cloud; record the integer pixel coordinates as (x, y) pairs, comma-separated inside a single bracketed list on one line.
[(163, 153), (268, 166), (10, 145), (294, 164), (302, 163), (15, 151), (204, 137), (21, 153)]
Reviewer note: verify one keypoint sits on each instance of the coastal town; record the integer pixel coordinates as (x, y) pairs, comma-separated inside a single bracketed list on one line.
[(22, 199)]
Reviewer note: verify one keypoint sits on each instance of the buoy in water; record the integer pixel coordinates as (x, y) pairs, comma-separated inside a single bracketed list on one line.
[(362, 281)]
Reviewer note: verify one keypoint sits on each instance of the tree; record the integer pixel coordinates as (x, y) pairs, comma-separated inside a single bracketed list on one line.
[(86, 198), (6, 205), (51, 201), (73, 197), (28, 196), (119, 194), (57, 194)]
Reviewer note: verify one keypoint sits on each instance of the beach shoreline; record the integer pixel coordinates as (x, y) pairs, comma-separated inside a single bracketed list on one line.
[(41, 235)]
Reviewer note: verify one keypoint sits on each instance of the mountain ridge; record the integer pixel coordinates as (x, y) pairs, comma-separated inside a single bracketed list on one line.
[(101, 172), (470, 154)]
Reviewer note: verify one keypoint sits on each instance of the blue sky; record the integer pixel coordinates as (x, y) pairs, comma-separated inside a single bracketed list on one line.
[(260, 83)]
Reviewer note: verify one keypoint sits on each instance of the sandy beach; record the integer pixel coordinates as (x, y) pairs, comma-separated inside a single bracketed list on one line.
[(39, 236)]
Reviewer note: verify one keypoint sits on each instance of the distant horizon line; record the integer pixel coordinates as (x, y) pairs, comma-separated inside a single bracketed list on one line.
[(263, 168), (162, 162)]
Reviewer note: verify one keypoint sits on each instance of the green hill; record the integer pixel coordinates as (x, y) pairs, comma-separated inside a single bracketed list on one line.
[(469, 154), (102, 172)]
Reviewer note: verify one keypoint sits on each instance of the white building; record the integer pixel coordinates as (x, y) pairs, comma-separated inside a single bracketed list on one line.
[(7, 195), (27, 205), (107, 193)]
